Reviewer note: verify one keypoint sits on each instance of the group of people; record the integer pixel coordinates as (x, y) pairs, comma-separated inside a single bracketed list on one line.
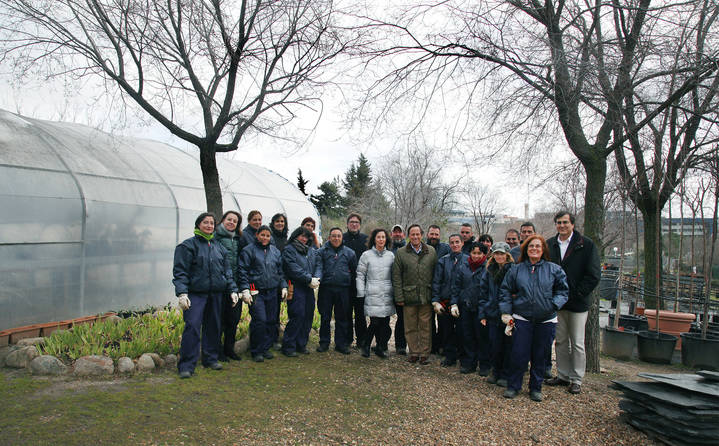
[(490, 306)]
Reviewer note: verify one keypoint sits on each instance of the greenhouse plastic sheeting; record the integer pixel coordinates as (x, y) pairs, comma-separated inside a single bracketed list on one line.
[(90, 221)]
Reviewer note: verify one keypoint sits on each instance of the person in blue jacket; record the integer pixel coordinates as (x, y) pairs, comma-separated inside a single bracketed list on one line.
[(499, 263), (254, 221), (260, 275), (339, 265), (441, 294), (531, 293), (464, 304), (301, 267), (202, 276)]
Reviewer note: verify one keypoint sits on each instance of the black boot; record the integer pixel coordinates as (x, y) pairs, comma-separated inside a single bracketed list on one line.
[(365, 349)]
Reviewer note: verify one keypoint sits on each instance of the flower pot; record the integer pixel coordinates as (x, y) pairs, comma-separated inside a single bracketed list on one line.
[(670, 322), (618, 343), (629, 322), (655, 347), (699, 353), (28, 331)]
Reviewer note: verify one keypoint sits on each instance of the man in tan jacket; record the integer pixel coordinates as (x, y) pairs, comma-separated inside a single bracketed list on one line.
[(412, 282)]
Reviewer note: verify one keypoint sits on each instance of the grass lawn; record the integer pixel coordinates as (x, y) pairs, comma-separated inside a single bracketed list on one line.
[(322, 398)]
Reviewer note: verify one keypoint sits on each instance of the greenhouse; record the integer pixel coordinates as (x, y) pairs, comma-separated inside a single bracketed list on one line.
[(89, 220)]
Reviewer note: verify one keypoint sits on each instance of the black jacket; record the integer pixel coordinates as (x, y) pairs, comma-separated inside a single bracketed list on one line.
[(467, 246), (261, 266), (356, 242), (202, 266), (581, 264), (338, 266)]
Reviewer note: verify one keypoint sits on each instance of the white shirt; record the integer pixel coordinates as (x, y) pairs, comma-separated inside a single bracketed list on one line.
[(563, 245)]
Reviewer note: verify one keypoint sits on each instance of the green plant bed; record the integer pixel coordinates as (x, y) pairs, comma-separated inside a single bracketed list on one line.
[(159, 332)]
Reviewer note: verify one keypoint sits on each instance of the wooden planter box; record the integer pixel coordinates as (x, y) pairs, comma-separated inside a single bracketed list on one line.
[(50, 327), (4, 338), (106, 316), (28, 331), (84, 320)]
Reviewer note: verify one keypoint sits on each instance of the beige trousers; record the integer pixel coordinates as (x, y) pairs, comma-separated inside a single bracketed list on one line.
[(417, 328)]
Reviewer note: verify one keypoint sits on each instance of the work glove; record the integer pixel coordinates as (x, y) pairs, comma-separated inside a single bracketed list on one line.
[(246, 297), (507, 319), (315, 283), (483, 322), (254, 292), (284, 293), (509, 329), (438, 307), (183, 302), (454, 310), (235, 298)]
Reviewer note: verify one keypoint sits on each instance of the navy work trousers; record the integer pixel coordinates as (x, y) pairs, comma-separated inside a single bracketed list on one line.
[(300, 311), (336, 297), (379, 329), (262, 325), (230, 318), (400, 342), (530, 343), (356, 306), (500, 348), (469, 326), (448, 337), (202, 324)]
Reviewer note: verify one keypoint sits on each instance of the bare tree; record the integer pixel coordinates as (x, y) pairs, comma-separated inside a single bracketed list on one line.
[(482, 203), (233, 66), (656, 158), (546, 63), (412, 181)]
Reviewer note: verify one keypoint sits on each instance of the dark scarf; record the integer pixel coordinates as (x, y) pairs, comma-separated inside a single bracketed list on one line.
[(300, 247), (474, 265), (497, 272)]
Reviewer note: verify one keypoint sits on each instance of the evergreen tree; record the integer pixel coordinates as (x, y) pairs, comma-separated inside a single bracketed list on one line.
[(301, 182), (329, 201), (358, 180)]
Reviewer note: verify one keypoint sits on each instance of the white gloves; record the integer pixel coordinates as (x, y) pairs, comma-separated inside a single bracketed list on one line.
[(454, 310), (315, 283), (235, 298), (438, 307), (246, 297), (284, 293), (254, 292), (507, 319), (183, 302)]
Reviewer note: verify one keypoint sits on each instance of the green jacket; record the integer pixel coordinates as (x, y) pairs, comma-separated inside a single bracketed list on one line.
[(412, 275)]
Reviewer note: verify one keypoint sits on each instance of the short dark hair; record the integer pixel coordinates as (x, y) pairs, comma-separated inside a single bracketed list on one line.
[(434, 227), (561, 214), (202, 216), (263, 228), (454, 235), (335, 228), (528, 223), (415, 225), (373, 236), (308, 219), (467, 225), (253, 213), (484, 249), (486, 237), (511, 230), (301, 230), (354, 214)]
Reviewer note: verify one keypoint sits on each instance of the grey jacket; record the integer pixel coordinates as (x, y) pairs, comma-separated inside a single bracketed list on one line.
[(374, 282)]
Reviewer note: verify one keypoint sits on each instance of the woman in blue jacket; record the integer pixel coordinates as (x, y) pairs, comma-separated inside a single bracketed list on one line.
[(500, 345), (260, 276), (202, 275), (531, 293), (464, 304), (302, 269)]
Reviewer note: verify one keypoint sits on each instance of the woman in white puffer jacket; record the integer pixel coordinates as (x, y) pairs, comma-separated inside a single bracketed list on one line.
[(374, 283)]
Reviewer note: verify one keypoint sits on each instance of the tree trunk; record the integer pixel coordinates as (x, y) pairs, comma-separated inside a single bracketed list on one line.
[(652, 263), (211, 180), (596, 171)]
